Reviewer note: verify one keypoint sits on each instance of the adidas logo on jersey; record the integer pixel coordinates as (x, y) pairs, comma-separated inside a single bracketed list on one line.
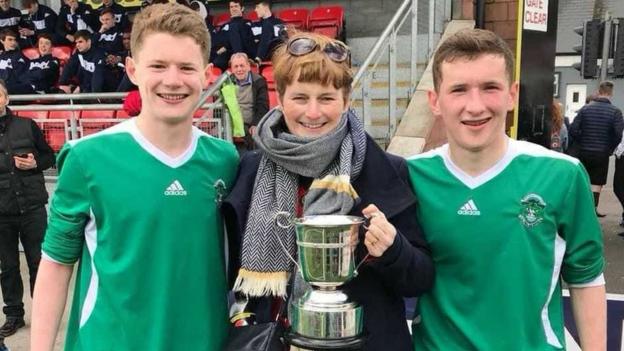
[(175, 189), (469, 209)]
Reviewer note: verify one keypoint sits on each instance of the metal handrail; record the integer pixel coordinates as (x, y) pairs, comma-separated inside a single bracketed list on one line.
[(211, 90), (380, 42)]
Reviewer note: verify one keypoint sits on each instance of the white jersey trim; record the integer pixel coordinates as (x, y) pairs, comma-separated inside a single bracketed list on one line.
[(45, 256), (173, 162), (92, 291), (559, 251), (598, 281), (514, 148)]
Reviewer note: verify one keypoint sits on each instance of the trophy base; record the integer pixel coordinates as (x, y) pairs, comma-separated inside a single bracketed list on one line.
[(306, 343)]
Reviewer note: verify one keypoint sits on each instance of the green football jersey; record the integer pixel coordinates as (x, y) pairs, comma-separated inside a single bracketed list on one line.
[(501, 242), (147, 231)]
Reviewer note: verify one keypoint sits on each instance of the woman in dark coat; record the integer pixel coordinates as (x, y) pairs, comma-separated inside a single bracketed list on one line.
[(315, 158)]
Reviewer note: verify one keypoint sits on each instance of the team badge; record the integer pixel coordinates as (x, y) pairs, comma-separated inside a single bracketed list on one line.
[(532, 210), (220, 190)]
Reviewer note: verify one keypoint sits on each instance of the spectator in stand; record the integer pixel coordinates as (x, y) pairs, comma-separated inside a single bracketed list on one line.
[(43, 72), (110, 39), (268, 32), (40, 19), (24, 155), (87, 64), (252, 95), (236, 36), (13, 64), (10, 17), (119, 12), (74, 16)]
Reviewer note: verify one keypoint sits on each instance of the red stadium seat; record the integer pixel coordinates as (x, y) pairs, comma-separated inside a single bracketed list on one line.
[(55, 138), (31, 53), (296, 17), (267, 73), (98, 114), (122, 114), (63, 114), (273, 98), (252, 16), (327, 20), (33, 114), (63, 53), (220, 19), (329, 31)]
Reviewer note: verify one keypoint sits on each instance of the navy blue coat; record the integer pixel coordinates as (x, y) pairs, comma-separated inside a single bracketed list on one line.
[(404, 270), (597, 127)]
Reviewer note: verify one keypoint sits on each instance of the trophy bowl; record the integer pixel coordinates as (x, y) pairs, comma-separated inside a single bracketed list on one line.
[(325, 246)]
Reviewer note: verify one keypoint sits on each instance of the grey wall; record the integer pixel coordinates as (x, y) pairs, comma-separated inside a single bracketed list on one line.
[(571, 76), (572, 13)]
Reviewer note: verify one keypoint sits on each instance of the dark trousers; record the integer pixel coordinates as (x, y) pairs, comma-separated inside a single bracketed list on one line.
[(28, 228), (618, 181)]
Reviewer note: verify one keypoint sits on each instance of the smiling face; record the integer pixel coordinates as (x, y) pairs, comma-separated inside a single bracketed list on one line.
[(311, 109), (473, 99), (236, 10), (170, 81), (44, 45), (240, 67)]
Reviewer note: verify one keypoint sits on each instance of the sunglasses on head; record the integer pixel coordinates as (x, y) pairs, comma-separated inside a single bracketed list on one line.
[(335, 50)]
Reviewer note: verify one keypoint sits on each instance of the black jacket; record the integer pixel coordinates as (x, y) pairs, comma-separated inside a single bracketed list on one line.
[(111, 41), (597, 127), (260, 92), (270, 35), (404, 270), (13, 64), (10, 19), (83, 18), (43, 72), (22, 191), (89, 67), (42, 21), (238, 36)]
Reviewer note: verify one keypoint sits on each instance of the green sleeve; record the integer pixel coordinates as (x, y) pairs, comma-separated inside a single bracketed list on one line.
[(69, 211), (583, 260)]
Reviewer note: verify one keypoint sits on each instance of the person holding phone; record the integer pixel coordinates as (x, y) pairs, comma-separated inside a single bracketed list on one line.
[(24, 154)]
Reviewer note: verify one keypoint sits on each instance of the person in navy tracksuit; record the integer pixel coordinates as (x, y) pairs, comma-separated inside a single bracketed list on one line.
[(87, 64)]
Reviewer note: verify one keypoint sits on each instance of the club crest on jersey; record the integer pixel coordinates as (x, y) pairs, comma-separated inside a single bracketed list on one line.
[(532, 210)]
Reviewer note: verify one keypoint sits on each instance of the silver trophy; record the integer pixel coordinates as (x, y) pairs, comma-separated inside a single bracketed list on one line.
[(324, 318)]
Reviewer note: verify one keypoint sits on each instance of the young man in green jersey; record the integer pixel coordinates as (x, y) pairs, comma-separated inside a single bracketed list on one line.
[(506, 220), (137, 206)]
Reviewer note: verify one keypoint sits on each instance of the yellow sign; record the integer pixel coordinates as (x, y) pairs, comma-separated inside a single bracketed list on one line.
[(125, 3)]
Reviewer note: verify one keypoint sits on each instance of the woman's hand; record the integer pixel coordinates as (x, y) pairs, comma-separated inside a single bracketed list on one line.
[(380, 234)]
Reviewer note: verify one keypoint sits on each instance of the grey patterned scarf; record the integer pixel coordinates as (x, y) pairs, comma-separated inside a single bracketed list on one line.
[(332, 160)]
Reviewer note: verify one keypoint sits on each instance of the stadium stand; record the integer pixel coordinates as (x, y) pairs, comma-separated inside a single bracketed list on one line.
[(220, 19), (327, 20), (296, 17)]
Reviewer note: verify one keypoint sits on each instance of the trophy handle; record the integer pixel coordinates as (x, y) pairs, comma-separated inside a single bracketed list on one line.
[(279, 216), (365, 226)]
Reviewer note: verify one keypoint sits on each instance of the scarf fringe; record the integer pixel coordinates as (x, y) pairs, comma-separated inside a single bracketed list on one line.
[(261, 283)]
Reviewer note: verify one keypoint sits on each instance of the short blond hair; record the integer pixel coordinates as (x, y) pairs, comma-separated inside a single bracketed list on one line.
[(173, 19), (315, 67)]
